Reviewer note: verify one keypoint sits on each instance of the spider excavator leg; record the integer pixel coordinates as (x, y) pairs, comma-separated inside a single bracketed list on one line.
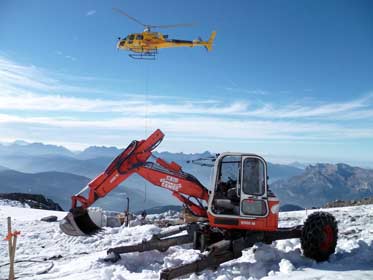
[(228, 249), (220, 252), (157, 242)]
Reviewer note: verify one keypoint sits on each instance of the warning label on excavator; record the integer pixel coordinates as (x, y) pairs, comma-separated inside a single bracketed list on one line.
[(170, 183)]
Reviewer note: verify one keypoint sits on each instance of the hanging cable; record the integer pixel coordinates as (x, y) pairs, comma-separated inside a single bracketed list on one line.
[(147, 77)]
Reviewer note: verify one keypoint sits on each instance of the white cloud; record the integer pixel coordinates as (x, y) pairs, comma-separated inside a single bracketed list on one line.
[(69, 57), (90, 13), (207, 126), (21, 99), (24, 100), (12, 74), (247, 91), (31, 88), (337, 110), (40, 81), (34, 101)]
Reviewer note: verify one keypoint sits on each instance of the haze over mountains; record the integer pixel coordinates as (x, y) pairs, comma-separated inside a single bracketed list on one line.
[(58, 173)]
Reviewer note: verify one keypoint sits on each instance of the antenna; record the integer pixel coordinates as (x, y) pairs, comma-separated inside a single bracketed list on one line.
[(202, 161)]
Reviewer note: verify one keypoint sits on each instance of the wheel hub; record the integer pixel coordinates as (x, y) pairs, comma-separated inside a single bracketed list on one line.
[(328, 238)]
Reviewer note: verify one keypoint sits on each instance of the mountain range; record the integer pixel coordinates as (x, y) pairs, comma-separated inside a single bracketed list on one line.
[(37, 157), (321, 183), (58, 173)]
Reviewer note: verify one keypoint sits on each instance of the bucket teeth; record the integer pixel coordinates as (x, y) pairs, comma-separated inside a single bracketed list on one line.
[(78, 223)]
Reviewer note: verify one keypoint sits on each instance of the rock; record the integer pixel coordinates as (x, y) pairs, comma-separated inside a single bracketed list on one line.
[(113, 222), (36, 201), (49, 219), (342, 203), (161, 209), (290, 207)]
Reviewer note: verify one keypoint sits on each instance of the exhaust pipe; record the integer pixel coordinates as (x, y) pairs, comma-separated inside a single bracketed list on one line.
[(79, 223)]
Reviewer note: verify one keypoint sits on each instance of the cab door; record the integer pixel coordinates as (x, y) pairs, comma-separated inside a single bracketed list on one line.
[(253, 189)]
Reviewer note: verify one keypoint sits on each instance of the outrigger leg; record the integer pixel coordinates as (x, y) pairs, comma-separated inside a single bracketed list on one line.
[(155, 243), (228, 249), (219, 253)]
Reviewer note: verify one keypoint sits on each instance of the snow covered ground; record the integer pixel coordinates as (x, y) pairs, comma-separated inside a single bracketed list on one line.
[(81, 256)]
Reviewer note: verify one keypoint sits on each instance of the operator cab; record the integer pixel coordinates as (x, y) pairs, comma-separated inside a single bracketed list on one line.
[(241, 189)]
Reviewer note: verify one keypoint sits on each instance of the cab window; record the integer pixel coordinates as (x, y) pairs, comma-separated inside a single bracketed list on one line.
[(229, 171), (139, 37), (253, 181), (226, 197)]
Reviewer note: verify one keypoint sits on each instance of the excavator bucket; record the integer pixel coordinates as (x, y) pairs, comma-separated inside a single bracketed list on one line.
[(79, 223)]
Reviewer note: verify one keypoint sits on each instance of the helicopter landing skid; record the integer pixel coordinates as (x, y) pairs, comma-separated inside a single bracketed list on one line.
[(148, 55)]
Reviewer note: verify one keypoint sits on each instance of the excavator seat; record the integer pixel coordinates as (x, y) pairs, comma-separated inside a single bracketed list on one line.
[(227, 206)]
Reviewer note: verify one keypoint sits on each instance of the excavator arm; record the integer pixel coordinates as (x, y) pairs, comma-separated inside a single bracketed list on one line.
[(134, 159)]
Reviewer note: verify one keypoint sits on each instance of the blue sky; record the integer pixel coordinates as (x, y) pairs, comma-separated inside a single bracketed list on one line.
[(287, 79)]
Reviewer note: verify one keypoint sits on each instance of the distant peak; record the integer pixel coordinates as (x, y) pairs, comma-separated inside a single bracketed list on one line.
[(21, 143), (94, 148)]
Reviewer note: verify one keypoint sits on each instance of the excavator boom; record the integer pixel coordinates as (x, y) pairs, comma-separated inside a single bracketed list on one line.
[(134, 159)]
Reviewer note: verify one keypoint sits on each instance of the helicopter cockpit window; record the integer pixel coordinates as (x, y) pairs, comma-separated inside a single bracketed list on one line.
[(130, 39), (253, 182)]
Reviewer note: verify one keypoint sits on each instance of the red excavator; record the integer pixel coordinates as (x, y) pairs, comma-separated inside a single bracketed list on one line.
[(238, 211)]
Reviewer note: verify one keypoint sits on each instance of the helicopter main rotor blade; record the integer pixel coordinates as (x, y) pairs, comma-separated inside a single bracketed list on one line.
[(172, 25), (127, 15)]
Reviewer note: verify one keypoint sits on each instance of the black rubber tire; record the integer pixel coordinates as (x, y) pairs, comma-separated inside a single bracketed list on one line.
[(319, 236)]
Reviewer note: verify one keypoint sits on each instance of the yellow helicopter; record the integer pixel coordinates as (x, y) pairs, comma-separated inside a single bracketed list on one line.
[(145, 45)]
